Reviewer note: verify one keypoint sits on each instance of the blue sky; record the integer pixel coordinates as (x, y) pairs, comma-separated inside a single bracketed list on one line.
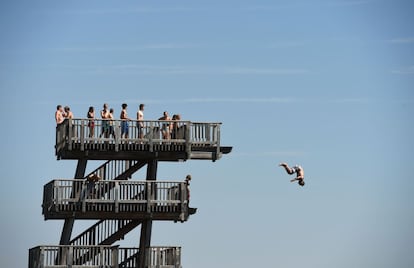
[(325, 84)]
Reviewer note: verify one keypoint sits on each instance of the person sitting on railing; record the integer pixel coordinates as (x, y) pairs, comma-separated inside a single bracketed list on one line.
[(124, 123), (140, 118), (300, 175), (59, 115), (166, 127), (105, 125)]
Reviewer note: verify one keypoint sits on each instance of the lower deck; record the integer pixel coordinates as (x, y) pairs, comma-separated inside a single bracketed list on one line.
[(102, 256), (82, 199)]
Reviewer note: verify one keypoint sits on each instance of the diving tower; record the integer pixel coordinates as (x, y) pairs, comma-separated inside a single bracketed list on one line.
[(109, 195)]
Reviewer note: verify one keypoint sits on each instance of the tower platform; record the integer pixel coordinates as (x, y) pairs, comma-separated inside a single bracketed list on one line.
[(107, 194), (160, 140), (82, 199)]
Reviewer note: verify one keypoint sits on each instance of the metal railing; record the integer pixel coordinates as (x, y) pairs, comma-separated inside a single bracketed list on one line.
[(102, 256), (88, 133), (104, 232), (152, 196)]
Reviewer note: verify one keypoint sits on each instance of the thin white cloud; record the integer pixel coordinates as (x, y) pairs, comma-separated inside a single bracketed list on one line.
[(138, 10), (262, 100), (404, 40), (136, 69), (156, 46), (350, 2), (269, 154), (306, 4), (286, 44), (406, 70)]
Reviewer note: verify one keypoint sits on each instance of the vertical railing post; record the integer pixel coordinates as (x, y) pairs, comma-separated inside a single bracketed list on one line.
[(207, 129), (115, 257), (41, 260), (82, 135), (217, 126), (188, 139), (149, 196), (177, 257), (151, 136), (69, 256), (117, 135), (116, 193), (183, 200), (84, 189), (69, 130), (158, 257), (55, 195)]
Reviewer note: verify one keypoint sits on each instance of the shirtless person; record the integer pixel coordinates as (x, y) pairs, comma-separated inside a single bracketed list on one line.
[(105, 123), (300, 175), (124, 122), (140, 118), (68, 113), (165, 126), (59, 115)]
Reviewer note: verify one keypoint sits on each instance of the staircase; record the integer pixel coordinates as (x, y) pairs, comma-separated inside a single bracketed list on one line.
[(117, 169), (105, 232)]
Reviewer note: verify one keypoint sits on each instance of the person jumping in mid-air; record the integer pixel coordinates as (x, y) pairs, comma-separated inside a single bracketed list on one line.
[(300, 175)]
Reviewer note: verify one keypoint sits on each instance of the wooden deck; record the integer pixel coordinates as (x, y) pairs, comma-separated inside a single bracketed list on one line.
[(160, 140), (102, 256), (81, 199)]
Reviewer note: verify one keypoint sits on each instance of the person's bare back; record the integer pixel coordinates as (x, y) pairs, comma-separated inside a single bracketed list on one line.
[(300, 174)]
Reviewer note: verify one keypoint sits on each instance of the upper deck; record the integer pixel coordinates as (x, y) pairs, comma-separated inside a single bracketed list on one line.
[(99, 139)]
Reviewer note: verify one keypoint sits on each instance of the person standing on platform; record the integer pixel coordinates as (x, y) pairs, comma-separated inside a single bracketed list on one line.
[(105, 125), (91, 122), (111, 131), (124, 122), (175, 126), (140, 118), (69, 116), (68, 113), (165, 130), (300, 174), (59, 115), (187, 184)]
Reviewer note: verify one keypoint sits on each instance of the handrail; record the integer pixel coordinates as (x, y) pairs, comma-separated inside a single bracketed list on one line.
[(101, 232), (50, 256), (88, 132)]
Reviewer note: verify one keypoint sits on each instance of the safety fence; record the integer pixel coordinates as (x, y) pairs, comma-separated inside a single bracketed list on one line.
[(103, 134), (102, 256), (71, 195)]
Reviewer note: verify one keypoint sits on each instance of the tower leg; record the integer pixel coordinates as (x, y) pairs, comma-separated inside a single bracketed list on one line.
[(146, 227), (68, 225)]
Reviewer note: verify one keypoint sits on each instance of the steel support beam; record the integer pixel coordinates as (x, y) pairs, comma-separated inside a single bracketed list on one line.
[(146, 227), (68, 225)]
